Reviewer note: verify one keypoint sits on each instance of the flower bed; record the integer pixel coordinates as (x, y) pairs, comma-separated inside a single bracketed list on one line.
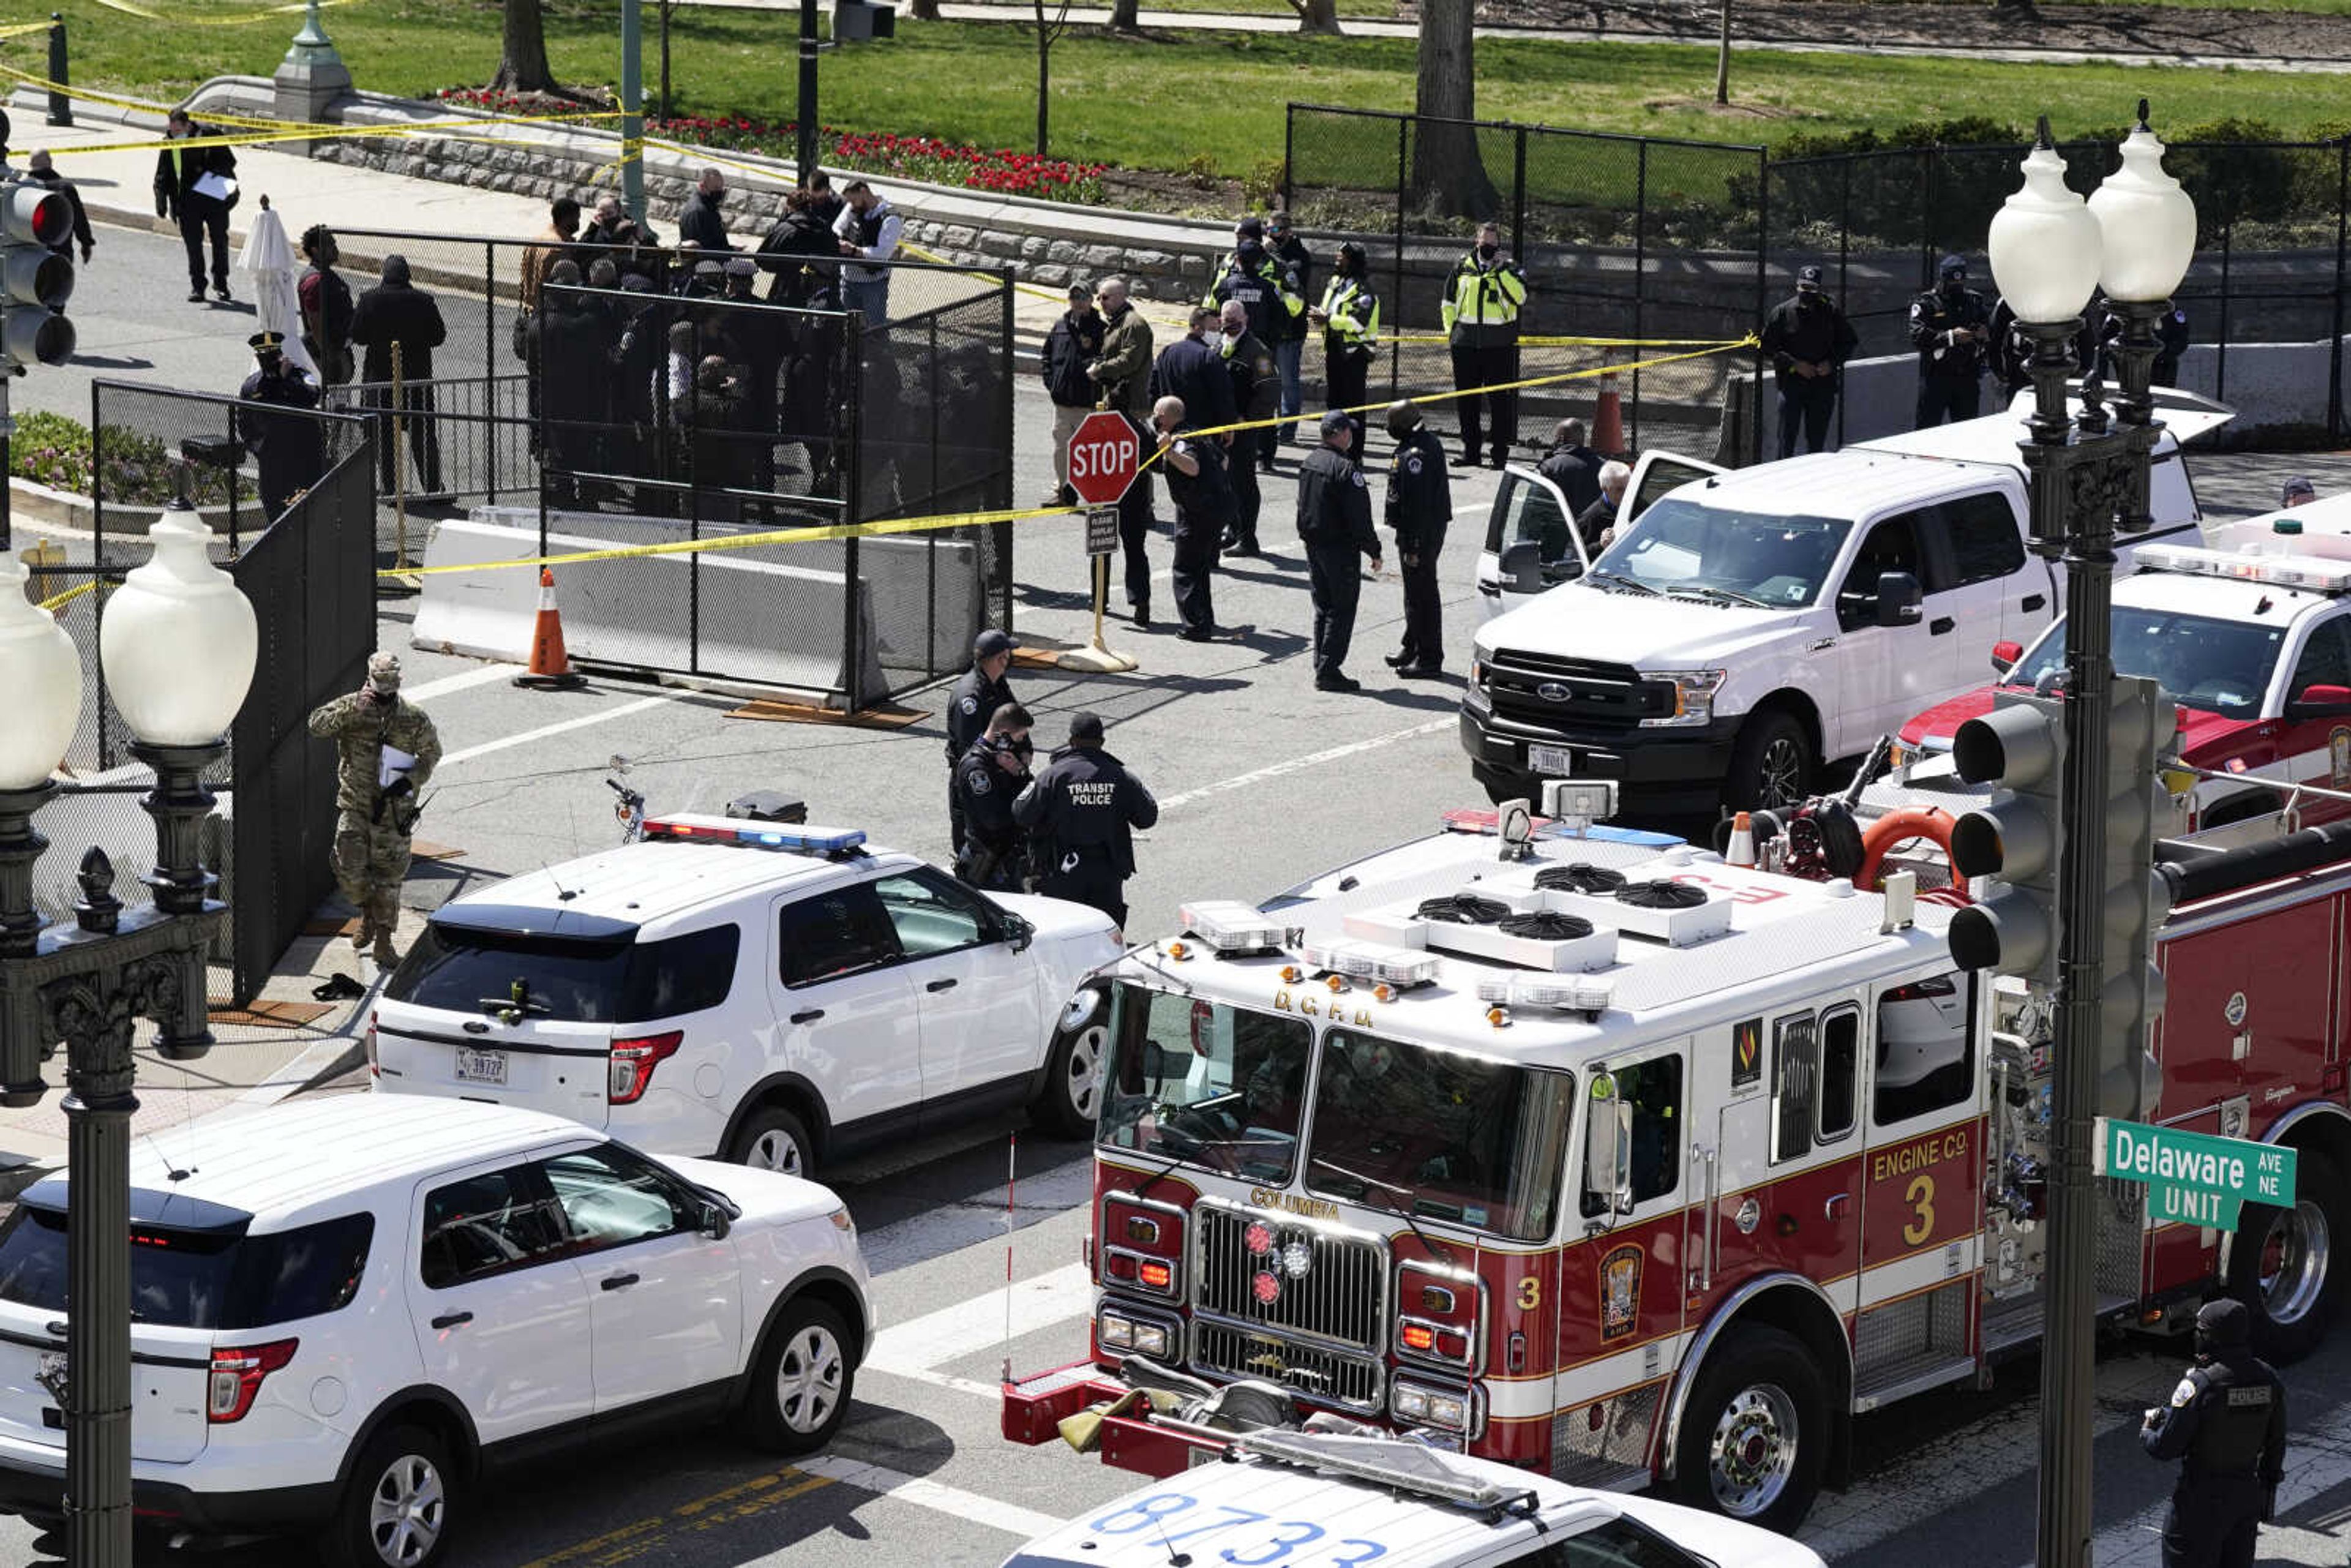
[(923, 157), (54, 451)]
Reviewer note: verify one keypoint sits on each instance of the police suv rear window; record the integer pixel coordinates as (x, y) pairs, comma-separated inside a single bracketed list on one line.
[(578, 980), (208, 1278)]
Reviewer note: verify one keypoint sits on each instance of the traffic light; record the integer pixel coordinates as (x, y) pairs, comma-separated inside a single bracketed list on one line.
[(36, 275), (2140, 726), (2020, 745)]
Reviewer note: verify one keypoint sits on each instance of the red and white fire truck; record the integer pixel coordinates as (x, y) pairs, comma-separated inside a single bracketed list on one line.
[(1620, 1162)]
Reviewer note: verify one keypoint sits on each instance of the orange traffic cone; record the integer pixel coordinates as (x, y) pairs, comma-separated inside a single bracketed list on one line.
[(1608, 419), (550, 667)]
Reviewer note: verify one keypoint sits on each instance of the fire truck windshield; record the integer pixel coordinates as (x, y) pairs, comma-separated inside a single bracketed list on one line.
[(2201, 662), (1205, 1083), (1445, 1136)]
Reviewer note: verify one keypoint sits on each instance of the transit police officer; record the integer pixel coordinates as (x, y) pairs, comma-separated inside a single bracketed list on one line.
[(970, 706), (385, 750), (2227, 1421), (1080, 813), (1419, 504), (1950, 325), (1334, 519), (987, 779)]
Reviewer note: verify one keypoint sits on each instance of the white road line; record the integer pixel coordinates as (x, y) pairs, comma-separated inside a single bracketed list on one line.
[(602, 715), (1313, 759), (1038, 1301), (953, 1502), (970, 1386), (462, 681)]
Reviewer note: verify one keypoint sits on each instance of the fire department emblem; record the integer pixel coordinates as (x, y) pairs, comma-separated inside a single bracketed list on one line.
[(2338, 755), (1620, 1292), (1746, 1053)]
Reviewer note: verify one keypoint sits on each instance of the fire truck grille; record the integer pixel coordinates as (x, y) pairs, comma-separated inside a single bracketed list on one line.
[(1340, 1296), (1320, 1375), (1587, 1455)]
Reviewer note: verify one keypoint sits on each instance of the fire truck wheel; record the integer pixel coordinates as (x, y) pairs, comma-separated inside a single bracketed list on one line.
[(1771, 765), (2281, 1264), (1755, 1434), (1072, 1092)]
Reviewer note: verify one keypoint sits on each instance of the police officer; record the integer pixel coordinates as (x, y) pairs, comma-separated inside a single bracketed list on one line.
[(385, 750), (2227, 1421), (1289, 346), (1256, 392), (970, 706), (1205, 509), (287, 448), (1261, 284), (1080, 813), (1419, 504), (1950, 325), (1809, 341), (987, 778), (1192, 369), (1350, 318), (1334, 519), (1481, 324)]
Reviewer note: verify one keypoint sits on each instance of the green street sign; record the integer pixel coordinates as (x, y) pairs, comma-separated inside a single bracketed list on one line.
[(2194, 1178)]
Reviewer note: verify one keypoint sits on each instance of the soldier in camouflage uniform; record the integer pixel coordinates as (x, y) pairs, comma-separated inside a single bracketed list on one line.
[(373, 821)]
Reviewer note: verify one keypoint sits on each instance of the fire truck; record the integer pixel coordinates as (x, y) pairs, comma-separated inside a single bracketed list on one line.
[(1588, 1152)]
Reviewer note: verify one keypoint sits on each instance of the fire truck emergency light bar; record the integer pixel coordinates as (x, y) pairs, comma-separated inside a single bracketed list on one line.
[(1575, 994), (1370, 961), (1226, 925), (755, 835), (2277, 570)]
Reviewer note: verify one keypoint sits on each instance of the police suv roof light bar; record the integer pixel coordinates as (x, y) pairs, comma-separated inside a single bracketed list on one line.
[(2308, 572), (810, 840)]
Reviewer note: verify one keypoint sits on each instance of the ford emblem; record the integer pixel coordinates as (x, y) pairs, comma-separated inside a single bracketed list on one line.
[(1556, 692)]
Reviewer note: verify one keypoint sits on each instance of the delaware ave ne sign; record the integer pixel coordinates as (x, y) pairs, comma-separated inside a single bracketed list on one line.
[(2194, 1178)]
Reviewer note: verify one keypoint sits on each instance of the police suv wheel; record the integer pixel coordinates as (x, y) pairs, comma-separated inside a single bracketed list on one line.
[(395, 1509), (1755, 1434), (2282, 1262), (801, 1383), (1073, 1092), (772, 1139)]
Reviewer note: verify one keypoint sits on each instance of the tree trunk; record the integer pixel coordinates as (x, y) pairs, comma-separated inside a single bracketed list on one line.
[(1123, 17), (1044, 74), (1449, 178), (1320, 16), (1722, 62), (522, 50)]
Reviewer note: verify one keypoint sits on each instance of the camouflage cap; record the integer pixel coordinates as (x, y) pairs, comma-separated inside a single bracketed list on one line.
[(383, 672)]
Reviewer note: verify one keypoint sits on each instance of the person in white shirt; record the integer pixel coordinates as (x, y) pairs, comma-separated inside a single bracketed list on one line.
[(868, 230)]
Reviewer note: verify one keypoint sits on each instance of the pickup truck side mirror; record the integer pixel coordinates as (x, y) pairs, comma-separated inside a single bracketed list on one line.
[(2005, 654), (1522, 569), (2319, 702), (1897, 599)]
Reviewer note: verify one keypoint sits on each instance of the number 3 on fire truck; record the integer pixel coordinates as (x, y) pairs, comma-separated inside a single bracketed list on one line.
[(1920, 1196), (1530, 1293)]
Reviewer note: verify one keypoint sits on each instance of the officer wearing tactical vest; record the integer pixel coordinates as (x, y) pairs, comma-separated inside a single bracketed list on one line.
[(1950, 325), (970, 706), (1334, 519), (987, 778), (2227, 1421), (385, 749), (1082, 814), (1481, 323), (1350, 318), (1419, 504), (1261, 284)]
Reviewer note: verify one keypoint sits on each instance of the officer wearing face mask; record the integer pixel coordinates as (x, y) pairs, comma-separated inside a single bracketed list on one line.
[(1258, 281), (1349, 318), (1481, 324), (1950, 325), (2226, 1422)]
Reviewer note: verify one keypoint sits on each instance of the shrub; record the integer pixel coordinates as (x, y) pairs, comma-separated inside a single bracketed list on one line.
[(52, 450)]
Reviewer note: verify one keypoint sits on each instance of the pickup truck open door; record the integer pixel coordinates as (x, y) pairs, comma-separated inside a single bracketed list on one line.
[(1531, 543)]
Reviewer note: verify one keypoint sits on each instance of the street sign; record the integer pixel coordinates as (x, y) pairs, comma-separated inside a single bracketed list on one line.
[(2194, 1178), (1101, 530), (1104, 453)]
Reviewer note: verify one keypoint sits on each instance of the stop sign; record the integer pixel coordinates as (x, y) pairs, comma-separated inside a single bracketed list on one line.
[(1104, 453)]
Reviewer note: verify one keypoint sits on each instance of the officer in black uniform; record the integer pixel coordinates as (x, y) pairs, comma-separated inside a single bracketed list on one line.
[(1081, 814), (289, 448), (987, 778), (1205, 509), (1334, 519), (1950, 325), (1809, 341), (2227, 1420), (970, 706), (1419, 504)]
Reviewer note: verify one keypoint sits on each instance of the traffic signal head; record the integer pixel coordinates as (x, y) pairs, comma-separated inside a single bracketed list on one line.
[(2135, 901), (2012, 928), (36, 274)]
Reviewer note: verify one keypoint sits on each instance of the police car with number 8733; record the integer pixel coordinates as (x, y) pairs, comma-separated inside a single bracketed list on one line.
[(1334, 1500)]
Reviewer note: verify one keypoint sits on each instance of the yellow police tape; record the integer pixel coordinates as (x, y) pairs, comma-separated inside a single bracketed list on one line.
[(59, 600)]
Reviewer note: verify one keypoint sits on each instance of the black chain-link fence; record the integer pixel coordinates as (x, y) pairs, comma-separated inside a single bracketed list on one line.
[(1653, 239)]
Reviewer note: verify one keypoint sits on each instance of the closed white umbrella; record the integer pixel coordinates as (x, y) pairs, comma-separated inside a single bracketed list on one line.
[(269, 260)]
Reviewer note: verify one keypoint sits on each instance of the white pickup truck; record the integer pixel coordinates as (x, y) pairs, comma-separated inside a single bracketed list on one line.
[(1748, 628)]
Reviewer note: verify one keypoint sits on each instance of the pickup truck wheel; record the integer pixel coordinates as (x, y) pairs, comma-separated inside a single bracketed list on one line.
[(1755, 1435), (773, 1139), (1771, 765), (2281, 1264)]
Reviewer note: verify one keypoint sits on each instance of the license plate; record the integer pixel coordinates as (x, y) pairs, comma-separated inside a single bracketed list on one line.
[(481, 1066), (1554, 760)]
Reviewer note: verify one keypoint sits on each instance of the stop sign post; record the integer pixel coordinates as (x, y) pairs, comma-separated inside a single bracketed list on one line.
[(1105, 454)]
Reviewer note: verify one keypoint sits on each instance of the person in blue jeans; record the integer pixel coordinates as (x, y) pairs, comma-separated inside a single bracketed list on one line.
[(868, 231), (1289, 348)]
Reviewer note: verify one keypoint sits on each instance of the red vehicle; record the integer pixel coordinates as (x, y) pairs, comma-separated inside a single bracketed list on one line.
[(2255, 649), (1622, 1164)]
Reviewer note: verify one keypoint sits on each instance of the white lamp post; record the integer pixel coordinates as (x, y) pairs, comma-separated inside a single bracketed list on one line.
[(178, 649)]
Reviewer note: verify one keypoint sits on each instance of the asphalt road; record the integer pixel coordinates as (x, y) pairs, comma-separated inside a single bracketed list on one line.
[(1262, 781)]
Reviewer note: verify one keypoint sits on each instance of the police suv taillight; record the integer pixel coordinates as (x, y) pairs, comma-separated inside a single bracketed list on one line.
[(235, 1378), (633, 1060)]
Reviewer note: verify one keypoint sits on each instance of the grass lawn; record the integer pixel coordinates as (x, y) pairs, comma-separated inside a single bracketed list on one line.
[(1172, 100)]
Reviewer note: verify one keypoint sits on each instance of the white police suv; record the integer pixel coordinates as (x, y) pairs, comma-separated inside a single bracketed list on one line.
[(1334, 1500), (779, 995), (347, 1312)]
